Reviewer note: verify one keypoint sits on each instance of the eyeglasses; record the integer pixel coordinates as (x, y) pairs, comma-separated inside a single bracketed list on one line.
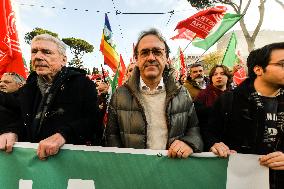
[(157, 52), (280, 63)]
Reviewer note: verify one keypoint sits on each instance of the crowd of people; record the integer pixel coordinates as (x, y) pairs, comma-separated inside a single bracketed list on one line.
[(151, 110)]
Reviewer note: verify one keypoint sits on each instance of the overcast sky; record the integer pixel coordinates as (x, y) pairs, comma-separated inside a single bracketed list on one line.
[(61, 17)]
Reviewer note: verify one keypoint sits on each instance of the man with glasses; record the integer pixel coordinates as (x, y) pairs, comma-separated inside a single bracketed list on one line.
[(250, 119), (152, 110), (58, 104), (11, 82)]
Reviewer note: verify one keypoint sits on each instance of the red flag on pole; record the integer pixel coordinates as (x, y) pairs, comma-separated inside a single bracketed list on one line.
[(184, 34), (11, 59), (122, 70), (240, 76), (202, 22), (182, 64)]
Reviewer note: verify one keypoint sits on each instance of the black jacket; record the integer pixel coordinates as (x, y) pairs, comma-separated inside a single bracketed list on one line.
[(71, 108), (238, 120), (10, 114)]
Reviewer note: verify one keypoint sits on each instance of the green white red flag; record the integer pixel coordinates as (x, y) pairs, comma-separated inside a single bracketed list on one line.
[(228, 21)]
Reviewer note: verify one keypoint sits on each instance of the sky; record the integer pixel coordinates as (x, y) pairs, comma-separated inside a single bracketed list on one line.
[(61, 17)]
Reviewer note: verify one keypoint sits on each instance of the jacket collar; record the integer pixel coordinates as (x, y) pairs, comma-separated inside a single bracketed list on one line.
[(171, 85)]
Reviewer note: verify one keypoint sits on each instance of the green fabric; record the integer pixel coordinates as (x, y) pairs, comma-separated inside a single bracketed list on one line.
[(114, 81), (177, 63), (230, 56), (111, 170), (229, 20)]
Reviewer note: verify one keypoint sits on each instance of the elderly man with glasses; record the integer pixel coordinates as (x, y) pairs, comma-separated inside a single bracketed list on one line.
[(152, 110), (58, 104)]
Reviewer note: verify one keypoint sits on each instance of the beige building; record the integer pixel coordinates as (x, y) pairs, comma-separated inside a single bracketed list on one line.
[(264, 37)]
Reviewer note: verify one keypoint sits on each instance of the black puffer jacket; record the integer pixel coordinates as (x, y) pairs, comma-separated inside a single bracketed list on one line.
[(238, 121), (72, 108), (127, 125)]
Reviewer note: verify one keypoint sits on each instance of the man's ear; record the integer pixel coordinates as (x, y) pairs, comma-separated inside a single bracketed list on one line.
[(258, 70), (20, 85), (64, 60), (169, 61)]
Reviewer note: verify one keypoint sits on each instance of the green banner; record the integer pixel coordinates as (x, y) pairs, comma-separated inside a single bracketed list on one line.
[(81, 169)]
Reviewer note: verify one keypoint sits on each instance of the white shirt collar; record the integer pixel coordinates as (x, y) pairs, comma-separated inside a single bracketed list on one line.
[(144, 87)]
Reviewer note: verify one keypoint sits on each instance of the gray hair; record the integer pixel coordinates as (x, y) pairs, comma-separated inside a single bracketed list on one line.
[(16, 77), (46, 37)]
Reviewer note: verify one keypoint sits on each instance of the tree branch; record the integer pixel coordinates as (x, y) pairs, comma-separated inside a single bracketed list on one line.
[(246, 8), (261, 16), (280, 3)]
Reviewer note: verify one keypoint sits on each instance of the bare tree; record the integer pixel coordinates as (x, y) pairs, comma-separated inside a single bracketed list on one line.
[(280, 3)]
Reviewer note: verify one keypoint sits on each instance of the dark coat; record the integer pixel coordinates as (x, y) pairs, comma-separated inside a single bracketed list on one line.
[(127, 124), (203, 104), (71, 110), (10, 114), (238, 121)]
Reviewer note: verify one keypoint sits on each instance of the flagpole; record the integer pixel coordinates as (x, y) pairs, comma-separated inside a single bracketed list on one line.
[(200, 56), (187, 45)]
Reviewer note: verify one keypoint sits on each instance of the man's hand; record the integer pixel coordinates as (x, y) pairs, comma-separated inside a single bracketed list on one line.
[(179, 149), (274, 160), (222, 150), (50, 146), (7, 141)]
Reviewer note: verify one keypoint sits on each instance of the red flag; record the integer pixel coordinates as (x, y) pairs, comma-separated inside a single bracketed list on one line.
[(182, 64), (240, 76), (10, 53), (202, 22), (122, 69), (184, 34)]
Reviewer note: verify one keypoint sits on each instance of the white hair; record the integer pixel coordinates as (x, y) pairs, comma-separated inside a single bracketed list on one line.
[(46, 37)]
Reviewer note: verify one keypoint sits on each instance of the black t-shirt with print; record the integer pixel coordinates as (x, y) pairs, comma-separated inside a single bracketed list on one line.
[(270, 130)]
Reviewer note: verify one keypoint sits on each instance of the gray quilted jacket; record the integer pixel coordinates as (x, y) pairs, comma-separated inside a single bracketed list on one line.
[(127, 125)]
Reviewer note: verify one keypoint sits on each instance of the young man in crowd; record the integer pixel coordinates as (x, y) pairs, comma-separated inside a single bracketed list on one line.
[(250, 119)]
